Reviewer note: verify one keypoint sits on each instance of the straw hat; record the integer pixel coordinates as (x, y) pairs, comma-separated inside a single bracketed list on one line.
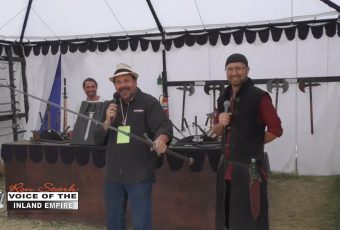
[(123, 69)]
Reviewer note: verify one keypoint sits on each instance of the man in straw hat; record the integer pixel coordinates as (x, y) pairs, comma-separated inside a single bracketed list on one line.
[(130, 165), (247, 120)]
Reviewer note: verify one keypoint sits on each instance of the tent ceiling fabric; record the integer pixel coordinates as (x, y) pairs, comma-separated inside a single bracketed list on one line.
[(74, 19)]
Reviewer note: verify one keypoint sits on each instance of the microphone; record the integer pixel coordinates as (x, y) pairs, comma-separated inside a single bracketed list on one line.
[(115, 98), (226, 105)]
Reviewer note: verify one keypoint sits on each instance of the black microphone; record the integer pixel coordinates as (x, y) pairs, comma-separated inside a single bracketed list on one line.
[(115, 98)]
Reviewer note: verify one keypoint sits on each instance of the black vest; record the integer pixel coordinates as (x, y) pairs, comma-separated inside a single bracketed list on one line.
[(246, 130)]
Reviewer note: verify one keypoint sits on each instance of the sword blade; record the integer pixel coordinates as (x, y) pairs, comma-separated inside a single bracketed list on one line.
[(88, 126), (255, 198), (254, 189)]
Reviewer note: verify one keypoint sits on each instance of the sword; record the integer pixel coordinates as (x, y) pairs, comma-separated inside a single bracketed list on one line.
[(254, 190), (179, 131), (189, 160), (200, 128), (88, 126), (186, 125), (65, 106)]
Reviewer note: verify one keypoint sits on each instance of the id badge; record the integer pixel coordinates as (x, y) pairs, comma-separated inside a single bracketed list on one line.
[(122, 138)]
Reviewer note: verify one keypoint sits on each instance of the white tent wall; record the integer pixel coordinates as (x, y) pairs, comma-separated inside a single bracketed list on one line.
[(40, 72), (316, 154)]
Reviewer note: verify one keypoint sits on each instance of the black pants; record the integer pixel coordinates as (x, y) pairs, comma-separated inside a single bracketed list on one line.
[(227, 203)]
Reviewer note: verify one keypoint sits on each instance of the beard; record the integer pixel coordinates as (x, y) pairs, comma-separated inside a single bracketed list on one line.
[(126, 93)]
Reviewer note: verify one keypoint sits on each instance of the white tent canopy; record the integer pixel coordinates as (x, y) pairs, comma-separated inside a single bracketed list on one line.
[(62, 19), (312, 51)]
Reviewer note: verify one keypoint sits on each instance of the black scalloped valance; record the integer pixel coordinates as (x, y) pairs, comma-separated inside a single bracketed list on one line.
[(240, 35), (83, 155)]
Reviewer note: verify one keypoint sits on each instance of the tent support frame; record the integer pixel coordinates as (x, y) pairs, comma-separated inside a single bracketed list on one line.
[(160, 28), (256, 81)]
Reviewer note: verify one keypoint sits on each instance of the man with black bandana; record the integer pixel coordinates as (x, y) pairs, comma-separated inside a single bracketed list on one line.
[(249, 122), (130, 165)]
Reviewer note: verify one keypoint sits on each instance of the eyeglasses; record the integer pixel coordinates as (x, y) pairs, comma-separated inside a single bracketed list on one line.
[(236, 69)]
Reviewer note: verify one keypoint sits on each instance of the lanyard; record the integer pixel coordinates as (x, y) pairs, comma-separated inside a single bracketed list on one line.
[(127, 110)]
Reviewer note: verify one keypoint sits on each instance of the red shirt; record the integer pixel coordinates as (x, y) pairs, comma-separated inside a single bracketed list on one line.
[(268, 116)]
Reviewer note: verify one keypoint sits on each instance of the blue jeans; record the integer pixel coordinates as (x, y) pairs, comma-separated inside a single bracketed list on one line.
[(139, 195)]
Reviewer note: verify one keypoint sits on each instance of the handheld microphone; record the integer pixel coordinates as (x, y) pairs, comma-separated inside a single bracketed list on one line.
[(115, 98), (226, 105)]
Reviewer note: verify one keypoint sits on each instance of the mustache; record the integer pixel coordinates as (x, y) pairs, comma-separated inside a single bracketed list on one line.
[(124, 88)]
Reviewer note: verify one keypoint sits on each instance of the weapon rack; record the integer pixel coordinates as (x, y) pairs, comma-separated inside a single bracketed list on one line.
[(15, 114), (256, 81)]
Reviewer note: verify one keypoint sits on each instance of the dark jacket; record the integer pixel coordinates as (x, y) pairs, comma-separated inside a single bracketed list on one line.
[(246, 141), (134, 161), (247, 131)]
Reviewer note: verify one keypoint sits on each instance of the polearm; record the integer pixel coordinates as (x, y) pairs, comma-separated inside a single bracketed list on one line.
[(65, 106), (189, 160)]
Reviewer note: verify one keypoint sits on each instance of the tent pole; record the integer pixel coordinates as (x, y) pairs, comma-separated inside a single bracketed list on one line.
[(23, 62), (332, 5), (160, 28), (164, 75), (25, 21)]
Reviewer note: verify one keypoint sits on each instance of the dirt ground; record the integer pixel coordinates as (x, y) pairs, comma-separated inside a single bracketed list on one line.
[(295, 203)]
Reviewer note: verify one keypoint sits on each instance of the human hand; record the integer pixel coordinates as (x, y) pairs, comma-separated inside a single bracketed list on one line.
[(111, 113), (159, 145), (224, 118)]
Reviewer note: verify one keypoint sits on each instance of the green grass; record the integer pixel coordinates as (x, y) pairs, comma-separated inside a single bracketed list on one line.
[(334, 202)]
